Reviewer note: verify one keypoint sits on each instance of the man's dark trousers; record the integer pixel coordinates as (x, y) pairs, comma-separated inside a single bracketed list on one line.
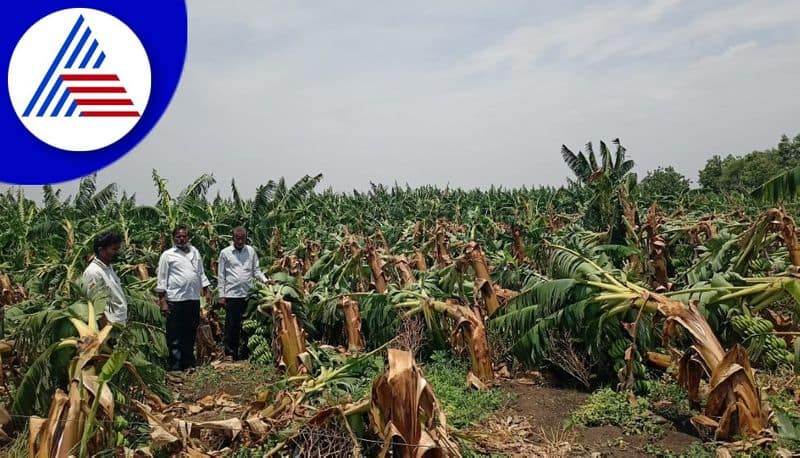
[(182, 322), (234, 308)]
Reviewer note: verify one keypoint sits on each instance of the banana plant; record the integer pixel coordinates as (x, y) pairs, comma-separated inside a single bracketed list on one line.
[(607, 296), (68, 428)]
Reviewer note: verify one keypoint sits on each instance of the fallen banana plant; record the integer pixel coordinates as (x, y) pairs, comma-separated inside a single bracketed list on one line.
[(734, 404), (760, 292), (292, 338), (441, 248), (657, 250), (734, 401), (289, 333), (403, 412), (469, 327), (352, 324), (176, 436), (376, 267), (72, 422), (328, 433), (406, 414), (403, 268), (773, 224), (483, 280)]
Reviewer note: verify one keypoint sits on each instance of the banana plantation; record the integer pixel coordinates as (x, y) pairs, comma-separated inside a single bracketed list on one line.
[(414, 322)]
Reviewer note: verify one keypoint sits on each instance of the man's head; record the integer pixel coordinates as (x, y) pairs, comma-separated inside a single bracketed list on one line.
[(180, 236), (239, 237), (107, 246)]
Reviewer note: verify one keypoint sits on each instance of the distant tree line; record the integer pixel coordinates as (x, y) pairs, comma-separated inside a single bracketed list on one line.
[(732, 173), (744, 173)]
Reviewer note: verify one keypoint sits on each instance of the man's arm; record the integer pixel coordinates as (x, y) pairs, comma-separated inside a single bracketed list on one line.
[(221, 274), (221, 266), (203, 278), (162, 303), (162, 274), (199, 266)]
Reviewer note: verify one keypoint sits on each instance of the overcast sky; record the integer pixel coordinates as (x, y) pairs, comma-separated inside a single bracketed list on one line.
[(464, 92)]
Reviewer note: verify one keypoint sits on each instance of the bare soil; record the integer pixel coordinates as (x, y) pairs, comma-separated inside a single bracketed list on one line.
[(548, 410)]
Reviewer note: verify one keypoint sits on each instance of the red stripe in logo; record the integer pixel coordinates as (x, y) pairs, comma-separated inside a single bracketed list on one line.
[(101, 77)]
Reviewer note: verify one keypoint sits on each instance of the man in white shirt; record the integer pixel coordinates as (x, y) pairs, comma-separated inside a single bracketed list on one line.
[(238, 267), (100, 274), (180, 279)]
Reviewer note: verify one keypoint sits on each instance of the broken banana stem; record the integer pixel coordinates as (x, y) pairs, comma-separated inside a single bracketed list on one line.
[(608, 287), (764, 299), (612, 297), (745, 292)]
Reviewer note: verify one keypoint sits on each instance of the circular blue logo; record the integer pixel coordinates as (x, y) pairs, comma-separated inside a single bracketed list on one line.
[(87, 81)]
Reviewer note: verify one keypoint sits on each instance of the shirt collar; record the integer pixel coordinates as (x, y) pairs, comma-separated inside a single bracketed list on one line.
[(178, 250), (100, 263)]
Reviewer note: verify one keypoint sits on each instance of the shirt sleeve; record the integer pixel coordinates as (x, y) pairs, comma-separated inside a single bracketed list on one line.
[(201, 269), (221, 274), (162, 274), (257, 268)]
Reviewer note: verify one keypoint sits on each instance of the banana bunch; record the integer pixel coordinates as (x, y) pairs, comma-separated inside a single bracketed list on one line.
[(639, 371), (250, 326), (266, 295), (260, 350), (765, 347), (617, 349), (259, 343), (617, 353)]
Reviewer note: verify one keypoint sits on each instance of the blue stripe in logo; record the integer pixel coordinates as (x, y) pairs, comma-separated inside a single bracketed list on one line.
[(88, 54), (79, 47), (60, 103), (100, 60), (49, 98), (53, 66)]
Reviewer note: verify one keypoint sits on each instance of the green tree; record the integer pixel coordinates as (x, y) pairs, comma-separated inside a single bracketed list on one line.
[(663, 182), (710, 174), (789, 151), (747, 172)]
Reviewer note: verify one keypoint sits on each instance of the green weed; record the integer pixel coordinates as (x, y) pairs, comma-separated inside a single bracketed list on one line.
[(608, 407), (462, 406)]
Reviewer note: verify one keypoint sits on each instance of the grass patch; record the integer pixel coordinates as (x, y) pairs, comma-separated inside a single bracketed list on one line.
[(787, 419), (608, 407), (205, 379), (670, 400), (463, 406), (693, 451), (241, 379)]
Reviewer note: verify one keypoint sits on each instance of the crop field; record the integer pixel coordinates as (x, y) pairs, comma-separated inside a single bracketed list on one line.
[(606, 316)]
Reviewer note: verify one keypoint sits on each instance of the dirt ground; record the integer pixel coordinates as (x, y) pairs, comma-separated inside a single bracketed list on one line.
[(546, 410), (532, 425), (222, 390)]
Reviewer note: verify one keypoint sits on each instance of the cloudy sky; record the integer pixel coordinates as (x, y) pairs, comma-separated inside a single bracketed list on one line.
[(470, 93)]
